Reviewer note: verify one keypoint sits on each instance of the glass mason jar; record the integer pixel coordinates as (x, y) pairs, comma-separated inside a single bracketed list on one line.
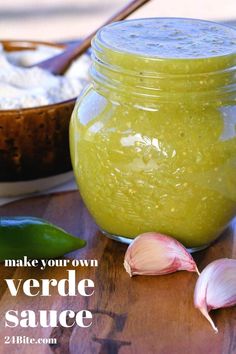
[(153, 137)]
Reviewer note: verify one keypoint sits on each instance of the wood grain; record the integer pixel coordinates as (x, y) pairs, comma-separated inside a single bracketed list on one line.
[(142, 315)]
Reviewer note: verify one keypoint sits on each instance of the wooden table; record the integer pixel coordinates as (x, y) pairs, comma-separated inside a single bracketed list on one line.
[(141, 315)]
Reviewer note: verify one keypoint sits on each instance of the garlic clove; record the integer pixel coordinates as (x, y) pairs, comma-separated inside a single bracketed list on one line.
[(216, 287), (152, 253)]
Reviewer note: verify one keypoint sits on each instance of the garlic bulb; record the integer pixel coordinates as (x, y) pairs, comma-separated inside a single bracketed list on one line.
[(156, 254), (216, 287)]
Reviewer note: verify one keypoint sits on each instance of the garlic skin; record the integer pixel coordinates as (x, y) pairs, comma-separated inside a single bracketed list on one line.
[(216, 287), (152, 253)]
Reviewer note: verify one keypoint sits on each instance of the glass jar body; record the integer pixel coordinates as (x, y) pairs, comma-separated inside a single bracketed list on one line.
[(158, 166)]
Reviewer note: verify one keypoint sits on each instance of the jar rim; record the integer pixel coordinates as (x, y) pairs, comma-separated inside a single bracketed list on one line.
[(103, 42), (121, 67)]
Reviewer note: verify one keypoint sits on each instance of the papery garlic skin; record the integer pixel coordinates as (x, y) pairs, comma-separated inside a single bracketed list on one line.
[(152, 253), (216, 287)]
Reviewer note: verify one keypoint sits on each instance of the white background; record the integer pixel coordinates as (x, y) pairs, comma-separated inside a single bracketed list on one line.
[(70, 19)]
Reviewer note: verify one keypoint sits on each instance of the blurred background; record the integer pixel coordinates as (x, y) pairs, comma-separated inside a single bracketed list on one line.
[(71, 19)]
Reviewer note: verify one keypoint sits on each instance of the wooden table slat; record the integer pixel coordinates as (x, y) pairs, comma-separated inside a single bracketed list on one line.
[(142, 315)]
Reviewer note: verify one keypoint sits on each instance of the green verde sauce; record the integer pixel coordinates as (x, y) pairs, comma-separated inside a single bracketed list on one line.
[(153, 140), (169, 38)]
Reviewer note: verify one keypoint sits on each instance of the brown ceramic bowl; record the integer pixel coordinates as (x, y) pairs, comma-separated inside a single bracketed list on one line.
[(34, 142)]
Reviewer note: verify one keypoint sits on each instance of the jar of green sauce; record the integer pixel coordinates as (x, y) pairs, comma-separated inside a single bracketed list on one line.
[(153, 137)]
